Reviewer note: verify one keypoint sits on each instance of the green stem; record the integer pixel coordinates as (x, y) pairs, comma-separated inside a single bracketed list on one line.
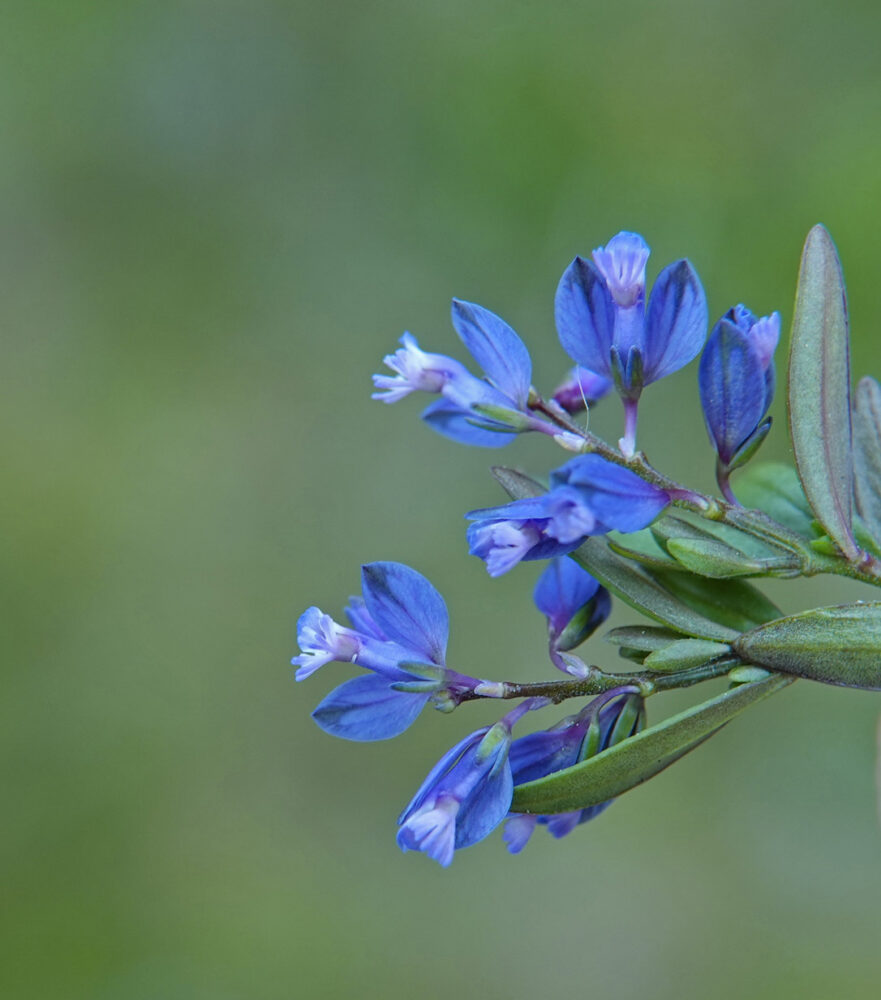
[(597, 681)]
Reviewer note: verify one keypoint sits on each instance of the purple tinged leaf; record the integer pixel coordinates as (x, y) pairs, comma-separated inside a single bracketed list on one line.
[(585, 315), (676, 321), (867, 453), (368, 708), (407, 608), (819, 390), (496, 348)]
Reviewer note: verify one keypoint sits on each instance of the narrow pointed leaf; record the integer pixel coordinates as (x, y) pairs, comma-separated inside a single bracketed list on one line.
[(647, 638), (734, 604), (641, 757), (642, 547), (689, 526), (717, 560), (838, 645), (867, 453), (516, 484), (685, 653), (819, 390), (642, 590)]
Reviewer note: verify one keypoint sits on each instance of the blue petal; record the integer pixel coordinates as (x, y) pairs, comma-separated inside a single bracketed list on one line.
[(446, 762), (368, 708), (618, 497), (593, 811), (550, 548), (496, 348), (458, 424), (482, 811), (527, 509), (676, 323), (732, 388), (585, 315), (540, 754), (518, 829), (406, 607), (561, 824), (361, 621), (562, 589)]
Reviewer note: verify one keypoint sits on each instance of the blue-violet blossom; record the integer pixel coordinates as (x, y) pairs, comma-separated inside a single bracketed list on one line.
[(736, 381), (471, 410), (465, 795), (574, 604), (399, 633), (604, 325), (589, 496)]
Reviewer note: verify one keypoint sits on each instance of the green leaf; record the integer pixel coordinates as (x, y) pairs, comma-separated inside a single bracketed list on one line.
[(819, 390), (646, 637), (622, 767), (685, 653), (513, 420), (867, 453), (685, 525), (635, 642), (641, 590), (517, 484), (734, 604), (747, 675), (775, 488), (641, 546), (838, 645), (718, 560)]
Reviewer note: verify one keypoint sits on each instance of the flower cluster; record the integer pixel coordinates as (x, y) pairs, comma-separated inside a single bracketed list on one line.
[(398, 628)]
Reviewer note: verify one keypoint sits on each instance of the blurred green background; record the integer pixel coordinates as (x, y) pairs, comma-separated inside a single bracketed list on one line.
[(217, 217)]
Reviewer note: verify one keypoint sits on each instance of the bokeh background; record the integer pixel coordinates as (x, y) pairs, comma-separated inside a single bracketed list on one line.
[(217, 217)]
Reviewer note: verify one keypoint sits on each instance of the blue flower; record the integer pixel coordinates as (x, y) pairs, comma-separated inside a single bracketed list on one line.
[(399, 633), (589, 496), (574, 604), (736, 381), (606, 721), (466, 794), (581, 389), (603, 323), (470, 410)]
